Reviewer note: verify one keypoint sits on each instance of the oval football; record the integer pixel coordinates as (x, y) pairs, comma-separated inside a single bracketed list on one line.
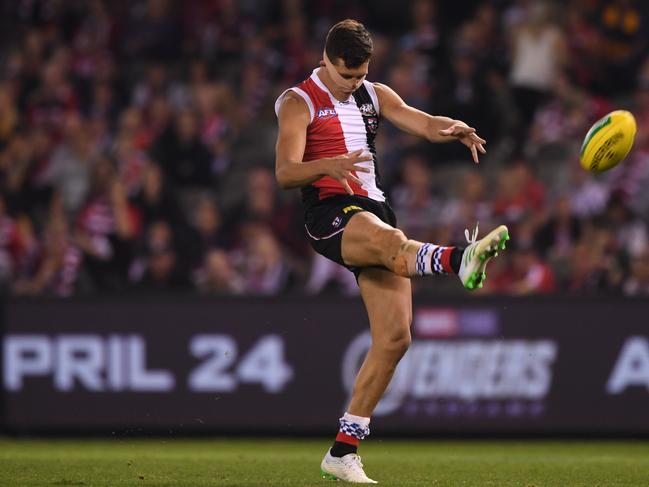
[(608, 141)]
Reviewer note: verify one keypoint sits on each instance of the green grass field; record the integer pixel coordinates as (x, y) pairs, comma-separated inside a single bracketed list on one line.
[(247, 463)]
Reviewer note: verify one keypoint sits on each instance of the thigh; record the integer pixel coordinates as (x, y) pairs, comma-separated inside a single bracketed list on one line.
[(326, 223), (367, 240), (388, 300)]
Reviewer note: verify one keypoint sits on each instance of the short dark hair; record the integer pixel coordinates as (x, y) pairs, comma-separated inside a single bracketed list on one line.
[(350, 41)]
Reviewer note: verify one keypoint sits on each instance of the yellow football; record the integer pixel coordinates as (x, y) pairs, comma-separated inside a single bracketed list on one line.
[(608, 141)]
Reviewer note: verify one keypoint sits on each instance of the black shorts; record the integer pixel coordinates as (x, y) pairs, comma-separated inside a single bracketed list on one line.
[(326, 220)]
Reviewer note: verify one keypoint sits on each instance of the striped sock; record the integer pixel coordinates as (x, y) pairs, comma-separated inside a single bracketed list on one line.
[(352, 430), (433, 259)]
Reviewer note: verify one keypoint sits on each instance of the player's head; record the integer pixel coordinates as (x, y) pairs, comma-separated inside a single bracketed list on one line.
[(350, 42), (347, 53)]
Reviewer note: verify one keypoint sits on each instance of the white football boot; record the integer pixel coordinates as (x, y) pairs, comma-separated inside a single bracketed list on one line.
[(477, 254), (347, 468)]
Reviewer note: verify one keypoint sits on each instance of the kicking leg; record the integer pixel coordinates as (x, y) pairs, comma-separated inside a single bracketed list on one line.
[(368, 241)]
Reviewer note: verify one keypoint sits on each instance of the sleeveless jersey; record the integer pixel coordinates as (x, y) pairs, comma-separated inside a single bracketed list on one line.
[(337, 128)]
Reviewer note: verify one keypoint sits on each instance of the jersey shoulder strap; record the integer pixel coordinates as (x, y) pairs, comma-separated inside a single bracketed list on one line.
[(299, 91)]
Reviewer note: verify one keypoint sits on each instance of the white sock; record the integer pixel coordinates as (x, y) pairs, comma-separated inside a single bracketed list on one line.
[(429, 260), (356, 426), (359, 420)]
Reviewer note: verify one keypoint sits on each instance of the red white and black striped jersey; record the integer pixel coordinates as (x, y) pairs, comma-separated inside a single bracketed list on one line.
[(336, 128)]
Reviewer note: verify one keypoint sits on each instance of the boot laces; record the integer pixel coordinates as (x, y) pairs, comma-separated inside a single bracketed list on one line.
[(474, 234), (354, 462)]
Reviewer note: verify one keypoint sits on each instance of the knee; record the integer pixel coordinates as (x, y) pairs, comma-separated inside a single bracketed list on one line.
[(387, 243), (384, 237), (395, 345)]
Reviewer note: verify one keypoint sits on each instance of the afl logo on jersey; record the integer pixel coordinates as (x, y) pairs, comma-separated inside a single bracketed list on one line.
[(327, 112)]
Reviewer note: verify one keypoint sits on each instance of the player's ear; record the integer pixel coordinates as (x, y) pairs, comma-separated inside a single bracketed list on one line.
[(322, 63)]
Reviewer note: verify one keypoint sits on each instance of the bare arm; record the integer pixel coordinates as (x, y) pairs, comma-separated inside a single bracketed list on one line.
[(290, 170), (431, 127)]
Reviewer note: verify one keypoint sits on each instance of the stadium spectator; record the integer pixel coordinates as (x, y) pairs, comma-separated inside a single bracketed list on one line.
[(9, 244), (630, 232), (183, 156), (424, 37), (469, 202), (214, 102), (262, 203), (155, 199), (622, 25), (59, 269), (28, 249), (129, 149), (561, 118), (415, 200), (588, 195), (520, 193), (463, 91), (206, 233), (558, 234), (556, 238), (326, 275), (8, 114), (582, 40), (631, 178), (638, 282), (217, 275), (595, 265), (525, 273), (538, 55), (106, 228), (152, 31), (259, 258), (71, 164), (54, 99), (158, 267)]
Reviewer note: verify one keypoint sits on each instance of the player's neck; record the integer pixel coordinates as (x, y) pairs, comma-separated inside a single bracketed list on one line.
[(327, 81)]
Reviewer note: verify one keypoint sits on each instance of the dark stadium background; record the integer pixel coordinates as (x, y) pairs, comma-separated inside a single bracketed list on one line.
[(156, 280)]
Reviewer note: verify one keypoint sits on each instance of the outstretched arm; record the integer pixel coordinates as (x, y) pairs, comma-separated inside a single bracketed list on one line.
[(433, 128), (290, 170)]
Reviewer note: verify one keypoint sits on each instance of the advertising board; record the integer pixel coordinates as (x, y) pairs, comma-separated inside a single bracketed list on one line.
[(288, 365)]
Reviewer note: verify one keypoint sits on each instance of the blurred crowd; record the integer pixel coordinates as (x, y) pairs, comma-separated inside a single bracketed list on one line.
[(137, 141)]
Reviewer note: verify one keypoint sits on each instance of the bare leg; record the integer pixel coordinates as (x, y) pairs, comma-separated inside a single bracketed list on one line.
[(388, 300), (369, 241)]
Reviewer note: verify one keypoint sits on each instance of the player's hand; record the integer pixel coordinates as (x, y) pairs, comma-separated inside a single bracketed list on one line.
[(341, 168), (467, 136)]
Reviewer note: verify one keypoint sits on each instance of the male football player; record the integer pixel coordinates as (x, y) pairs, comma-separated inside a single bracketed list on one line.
[(327, 127)]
